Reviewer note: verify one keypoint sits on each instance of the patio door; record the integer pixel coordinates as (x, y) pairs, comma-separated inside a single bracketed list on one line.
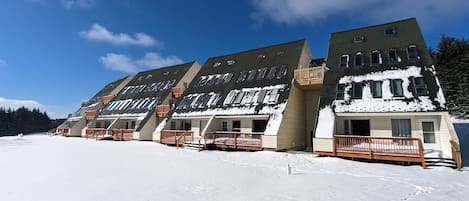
[(429, 134), (360, 127), (203, 124)]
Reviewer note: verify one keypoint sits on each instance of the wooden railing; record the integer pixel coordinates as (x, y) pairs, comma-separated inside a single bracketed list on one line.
[(107, 99), (95, 132), (309, 76), (89, 115), (162, 110), (122, 134), (177, 91), (176, 137), (382, 148), (235, 140), (456, 154), (62, 131)]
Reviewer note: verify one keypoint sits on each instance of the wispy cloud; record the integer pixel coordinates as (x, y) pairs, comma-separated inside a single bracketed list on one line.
[(3, 63), (15, 103), (430, 12), (101, 33), (69, 4), (125, 63), (52, 111)]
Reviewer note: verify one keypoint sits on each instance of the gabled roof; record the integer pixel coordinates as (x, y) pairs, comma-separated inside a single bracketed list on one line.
[(146, 90), (242, 79)]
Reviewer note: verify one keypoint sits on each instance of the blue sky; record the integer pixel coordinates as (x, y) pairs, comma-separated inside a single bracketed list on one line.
[(54, 54)]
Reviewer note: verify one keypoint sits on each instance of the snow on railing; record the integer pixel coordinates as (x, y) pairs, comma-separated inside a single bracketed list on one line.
[(235, 140)]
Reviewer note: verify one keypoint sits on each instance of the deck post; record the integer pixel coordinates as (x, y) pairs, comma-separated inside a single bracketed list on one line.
[(369, 147)]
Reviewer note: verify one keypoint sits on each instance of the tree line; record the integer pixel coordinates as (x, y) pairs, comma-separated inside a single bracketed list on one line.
[(24, 120)]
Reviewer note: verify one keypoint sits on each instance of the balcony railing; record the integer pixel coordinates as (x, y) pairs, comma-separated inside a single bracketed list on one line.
[(162, 110), (62, 131), (235, 140), (122, 134), (456, 153), (177, 91), (89, 115), (176, 137), (380, 148), (95, 133), (309, 77), (107, 99)]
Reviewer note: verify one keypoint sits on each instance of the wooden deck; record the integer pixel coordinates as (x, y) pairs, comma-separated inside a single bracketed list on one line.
[(176, 137), (95, 133), (378, 148), (122, 134), (309, 78), (235, 140)]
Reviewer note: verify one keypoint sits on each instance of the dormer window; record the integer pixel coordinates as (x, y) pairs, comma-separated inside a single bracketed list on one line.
[(359, 39), (412, 53), (375, 58), (230, 62), (390, 31), (217, 64), (261, 57), (420, 86), (344, 61), (149, 76), (359, 61), (393, 58)]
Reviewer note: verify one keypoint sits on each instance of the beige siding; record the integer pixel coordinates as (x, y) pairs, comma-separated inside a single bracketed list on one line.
[(311, 106), (322, 144), (269, 142), (75, 131), (147, 130)]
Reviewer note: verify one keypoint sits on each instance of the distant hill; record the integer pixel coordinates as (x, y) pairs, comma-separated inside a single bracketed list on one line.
[(24, 120), (452, 63)]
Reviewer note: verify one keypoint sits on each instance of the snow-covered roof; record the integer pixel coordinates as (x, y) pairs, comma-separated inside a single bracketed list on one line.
[(244, 83)]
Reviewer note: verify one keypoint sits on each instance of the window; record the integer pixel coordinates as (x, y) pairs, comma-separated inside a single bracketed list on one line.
[(280, 53), (343, 61), (346, 127), (396, 88), (259, 125), (357, 91), (242, 76), (261, 97), (186, 125), (261, 57), (217, 64), (98, 124), (401, 128), (428, 130), (132, 124), (261, 73), (359, 59), (236, 126), (230, 62), (393, 56), (420, 86), (340, 92), (224, 125), (390, 31), (359, 39), (412, 53), (375, 58), (252, 75), (282, 72), (239, 98), (272, 72), (376, 89), (173, 125)]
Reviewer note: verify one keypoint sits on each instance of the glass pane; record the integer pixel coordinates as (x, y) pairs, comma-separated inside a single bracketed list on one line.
[(359, 59), (428, 132), (357, 90), (397, 88), (343, 61), (401, 128), (376, 89), (375, 58), (412, 51), (259, 125), (392, 56), (236, 126), (271, 73)]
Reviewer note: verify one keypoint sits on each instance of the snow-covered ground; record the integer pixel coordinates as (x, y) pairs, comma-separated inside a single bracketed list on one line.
[(40, 167)]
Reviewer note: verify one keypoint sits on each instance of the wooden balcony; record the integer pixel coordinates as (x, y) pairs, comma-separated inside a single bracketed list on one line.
[(176, 137), (309, 78), (107, 99), (89, 115), (162, 110), (95, 133), (235, 140), (177, 91), (122, 134), (62, 131), (378, 148)]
